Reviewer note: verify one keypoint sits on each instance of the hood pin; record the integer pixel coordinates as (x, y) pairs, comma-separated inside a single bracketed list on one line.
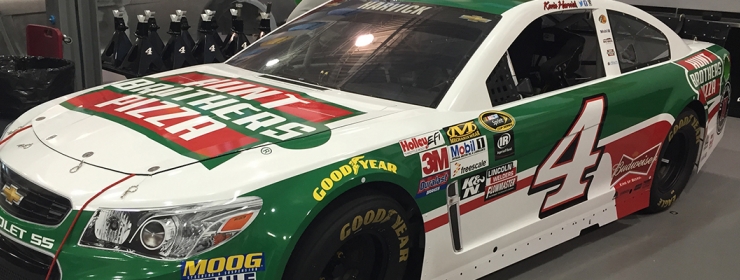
[(25, 146), (131, 189), (51, 137), (84, 156), (155, 168), (40, 119)]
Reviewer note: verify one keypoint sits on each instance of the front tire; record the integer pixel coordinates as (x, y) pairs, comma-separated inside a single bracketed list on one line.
[(676, 161), (365, 238)]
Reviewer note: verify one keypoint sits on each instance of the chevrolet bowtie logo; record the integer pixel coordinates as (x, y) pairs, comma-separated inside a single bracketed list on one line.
[(11, 194), (475, 18)]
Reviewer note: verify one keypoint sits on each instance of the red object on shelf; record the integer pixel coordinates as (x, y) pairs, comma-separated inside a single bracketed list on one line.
[(44, 41)]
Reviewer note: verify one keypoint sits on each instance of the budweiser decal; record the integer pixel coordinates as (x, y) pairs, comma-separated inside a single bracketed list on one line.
[(421, 143), (639, 165), (704, 72)]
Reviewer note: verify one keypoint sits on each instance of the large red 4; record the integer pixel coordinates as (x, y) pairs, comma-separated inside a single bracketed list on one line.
[(566, 171)]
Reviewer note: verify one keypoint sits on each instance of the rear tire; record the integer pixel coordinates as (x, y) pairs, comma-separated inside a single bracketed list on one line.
[(365, 238), (676, 161)]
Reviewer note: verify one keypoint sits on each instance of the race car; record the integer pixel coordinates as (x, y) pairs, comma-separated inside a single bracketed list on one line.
[(434, 139)]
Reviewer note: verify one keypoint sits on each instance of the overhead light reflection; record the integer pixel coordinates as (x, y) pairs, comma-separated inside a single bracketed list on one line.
[(272, 62), (364, 40)]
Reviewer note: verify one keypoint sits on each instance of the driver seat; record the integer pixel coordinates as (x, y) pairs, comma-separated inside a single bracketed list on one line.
[(556, 71)]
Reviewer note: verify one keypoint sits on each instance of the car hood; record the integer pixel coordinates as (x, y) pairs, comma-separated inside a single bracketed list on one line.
[(158, 123)]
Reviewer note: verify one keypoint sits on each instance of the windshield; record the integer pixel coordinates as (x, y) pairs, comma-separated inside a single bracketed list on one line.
[(401, 51)]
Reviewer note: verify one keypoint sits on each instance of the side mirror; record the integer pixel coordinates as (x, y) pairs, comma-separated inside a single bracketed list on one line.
[(525, 88)]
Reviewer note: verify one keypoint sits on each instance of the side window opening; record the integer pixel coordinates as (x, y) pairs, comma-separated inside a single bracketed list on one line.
[(556, 51), (638, 44)]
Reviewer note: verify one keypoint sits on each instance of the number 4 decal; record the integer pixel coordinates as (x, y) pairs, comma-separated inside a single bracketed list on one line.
[(566, 171)]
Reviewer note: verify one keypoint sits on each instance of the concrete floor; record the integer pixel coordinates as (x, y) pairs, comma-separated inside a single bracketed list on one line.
[(697, 239)]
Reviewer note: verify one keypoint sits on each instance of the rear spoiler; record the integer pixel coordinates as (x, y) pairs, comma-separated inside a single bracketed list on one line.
[(721, 28)]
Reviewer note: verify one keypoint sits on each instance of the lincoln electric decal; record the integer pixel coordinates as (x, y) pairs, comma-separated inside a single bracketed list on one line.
[(202, 116)]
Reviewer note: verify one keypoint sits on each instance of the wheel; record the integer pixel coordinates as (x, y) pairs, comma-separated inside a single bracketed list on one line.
[(676, 161), (365, 238)]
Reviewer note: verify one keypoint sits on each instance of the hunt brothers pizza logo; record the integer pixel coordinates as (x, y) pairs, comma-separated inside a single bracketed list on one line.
[(639, 165), (202, 116), (704, 71)]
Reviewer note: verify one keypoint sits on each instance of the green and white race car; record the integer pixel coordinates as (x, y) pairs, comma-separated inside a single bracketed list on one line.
[(435, 139)]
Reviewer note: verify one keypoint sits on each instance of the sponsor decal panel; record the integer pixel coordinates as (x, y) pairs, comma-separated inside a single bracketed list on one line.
[(432, 184), (473, 185), (584, 3), (202, 116), (502, 179), (421, 143), (602, 19), (704, 71), (434, 161), (475, 18), (504, 145), (497, 121), (469, 164), (242, 266), (468, 148), (461, 132), (354, 167), (639, 164), (560, 5), (409, 9)]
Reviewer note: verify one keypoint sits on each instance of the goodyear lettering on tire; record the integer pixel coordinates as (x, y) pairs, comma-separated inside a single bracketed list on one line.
[(355, 165), (688, 120), (380, 216)]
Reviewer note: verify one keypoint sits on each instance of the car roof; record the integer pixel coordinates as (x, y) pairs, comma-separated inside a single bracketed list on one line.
[(487, 6)]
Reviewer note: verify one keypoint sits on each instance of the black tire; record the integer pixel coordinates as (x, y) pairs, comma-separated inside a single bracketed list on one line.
[(365, 238), (676, 161)]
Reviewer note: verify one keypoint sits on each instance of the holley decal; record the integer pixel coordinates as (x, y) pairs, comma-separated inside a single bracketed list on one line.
[(202, 116)]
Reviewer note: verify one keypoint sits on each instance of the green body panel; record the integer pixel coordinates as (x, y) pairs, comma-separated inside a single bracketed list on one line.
[(492, 7), (290, 206)]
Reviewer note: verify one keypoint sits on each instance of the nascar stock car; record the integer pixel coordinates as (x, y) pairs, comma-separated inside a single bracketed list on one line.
[(434, 139)]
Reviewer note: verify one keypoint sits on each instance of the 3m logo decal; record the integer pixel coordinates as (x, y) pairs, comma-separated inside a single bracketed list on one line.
[(461, 132), (201, 116), (434, 161), (243, 266), (565, 174), (704, 71)]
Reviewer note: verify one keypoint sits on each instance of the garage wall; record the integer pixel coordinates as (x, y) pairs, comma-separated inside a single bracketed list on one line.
[(709, 5)]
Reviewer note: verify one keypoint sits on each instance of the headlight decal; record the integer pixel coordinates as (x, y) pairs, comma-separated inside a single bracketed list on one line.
[(174, 233)]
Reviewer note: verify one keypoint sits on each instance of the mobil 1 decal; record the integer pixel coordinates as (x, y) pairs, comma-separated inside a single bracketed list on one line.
[(504, 144), (468, 156), (566, 172), (704, 71), (203, 116)]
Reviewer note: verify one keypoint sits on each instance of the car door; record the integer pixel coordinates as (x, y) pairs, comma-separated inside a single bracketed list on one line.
[(543, 149)]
